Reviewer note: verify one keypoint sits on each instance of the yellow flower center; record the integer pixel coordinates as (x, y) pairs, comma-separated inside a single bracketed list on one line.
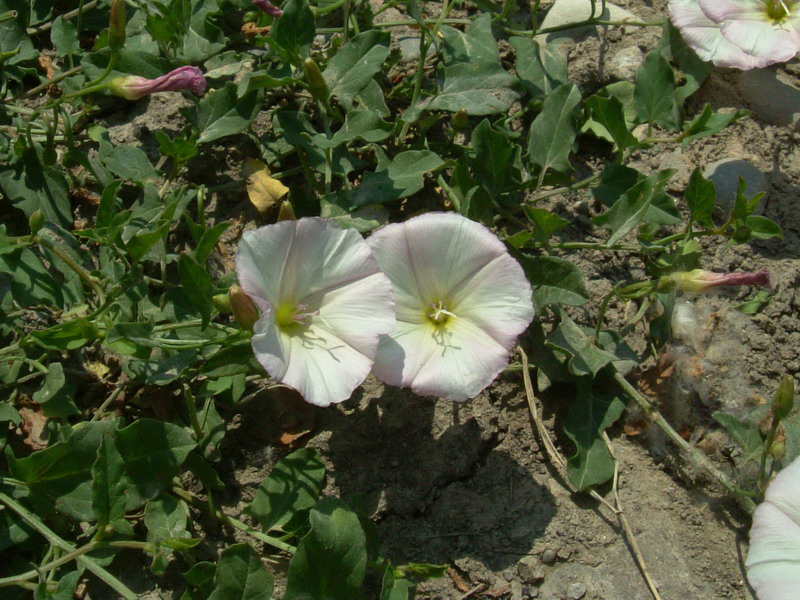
[(438, 313), (777, 10), (292, 318)]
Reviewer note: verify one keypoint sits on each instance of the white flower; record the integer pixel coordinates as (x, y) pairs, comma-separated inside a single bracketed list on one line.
[(461, 303), (323, 303), (773, 563), (745, 34)]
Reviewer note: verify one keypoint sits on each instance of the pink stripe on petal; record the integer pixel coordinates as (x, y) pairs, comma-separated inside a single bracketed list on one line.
[(727, 10), (762, 40)]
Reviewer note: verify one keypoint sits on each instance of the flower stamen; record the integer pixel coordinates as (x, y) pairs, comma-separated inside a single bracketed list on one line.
[(777, 10), (441, 313), (291, 317)]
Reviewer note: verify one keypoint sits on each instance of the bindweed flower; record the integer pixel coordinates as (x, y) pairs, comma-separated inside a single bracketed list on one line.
[(268, 7), (699, 280), (323, 303), (132, 87), (744, 34), (461, 303), (774, 556)]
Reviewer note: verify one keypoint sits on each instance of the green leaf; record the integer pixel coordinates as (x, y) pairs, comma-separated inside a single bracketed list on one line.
[(129, 62), (762, 228), (241, 576), (554, 280), (197, 285), (223, 113), (202, 38), (162, 371), (589, 416), (493, 157), (583, 353), (394, 587), (32, 186), (744, 435), (610, 114), (359, 123), (60, 476), (753, 306), (153, 452), (469, 198), (355, 64), (165, 518), (633, 206), (708, 123), (9, 413), (701, 198), (292, 34), (540, 68), (108, 483), (31, 283), (55, 395), (473, 78), (402, 177), (201, 581), (331, 560), (545, 223), (293, 485), (654, 93), (553, 132), (64, 37), (365, 218), (69, 335)]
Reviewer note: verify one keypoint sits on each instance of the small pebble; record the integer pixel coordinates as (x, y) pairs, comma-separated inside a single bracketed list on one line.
[(576, 591), (548, 557)]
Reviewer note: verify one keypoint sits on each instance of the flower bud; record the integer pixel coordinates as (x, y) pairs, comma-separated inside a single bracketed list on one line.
[(286, 213), (316, 82), (699, 280), (460, 120), (783, 402), (244, 310), (36, 221), (132, 87), (222, 302), (116, 25), (268, 7), (778, 450)]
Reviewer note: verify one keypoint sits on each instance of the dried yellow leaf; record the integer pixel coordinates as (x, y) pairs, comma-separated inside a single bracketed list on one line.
[(263, 190)]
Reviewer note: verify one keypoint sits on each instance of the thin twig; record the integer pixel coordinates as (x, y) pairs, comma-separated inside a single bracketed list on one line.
[(555, 456), (54, 79), (623, 521)]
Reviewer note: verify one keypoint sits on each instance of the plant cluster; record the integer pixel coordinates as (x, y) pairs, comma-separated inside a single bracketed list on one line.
[(128, 339)]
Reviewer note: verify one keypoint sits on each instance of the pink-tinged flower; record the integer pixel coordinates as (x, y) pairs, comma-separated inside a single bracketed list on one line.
[(132, 87), (268, 7), (323, 303), (744, 34), (461, 303), (701, 281), (773, 562)]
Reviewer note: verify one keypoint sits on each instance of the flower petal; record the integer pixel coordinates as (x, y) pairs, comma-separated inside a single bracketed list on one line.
[(763, 40), (726, 10), (706, 39), (429, 255), (773, 562), (455, 364), (319, 365)]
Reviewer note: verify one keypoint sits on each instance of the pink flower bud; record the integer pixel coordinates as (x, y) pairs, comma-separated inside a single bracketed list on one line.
[(699, 280), (268, 7), (132, 87)]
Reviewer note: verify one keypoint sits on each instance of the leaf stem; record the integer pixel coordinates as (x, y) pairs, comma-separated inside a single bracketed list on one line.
[(54, 539), (79, 270)]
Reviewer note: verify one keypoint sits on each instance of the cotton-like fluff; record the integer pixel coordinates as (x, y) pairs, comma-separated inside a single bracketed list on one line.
[(323, 303), (462, 300)]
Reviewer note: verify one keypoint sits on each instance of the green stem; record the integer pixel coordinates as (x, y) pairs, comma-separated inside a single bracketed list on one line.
[(762, 475), (54, 539), (192, 410), (241, 526)]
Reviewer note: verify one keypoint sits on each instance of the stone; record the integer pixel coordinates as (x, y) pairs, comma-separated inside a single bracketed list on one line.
[(725, 174), (576, 591), (530, 571), (549, 556), (770, 95), (564, 12), (626, 63), (409, 47)]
